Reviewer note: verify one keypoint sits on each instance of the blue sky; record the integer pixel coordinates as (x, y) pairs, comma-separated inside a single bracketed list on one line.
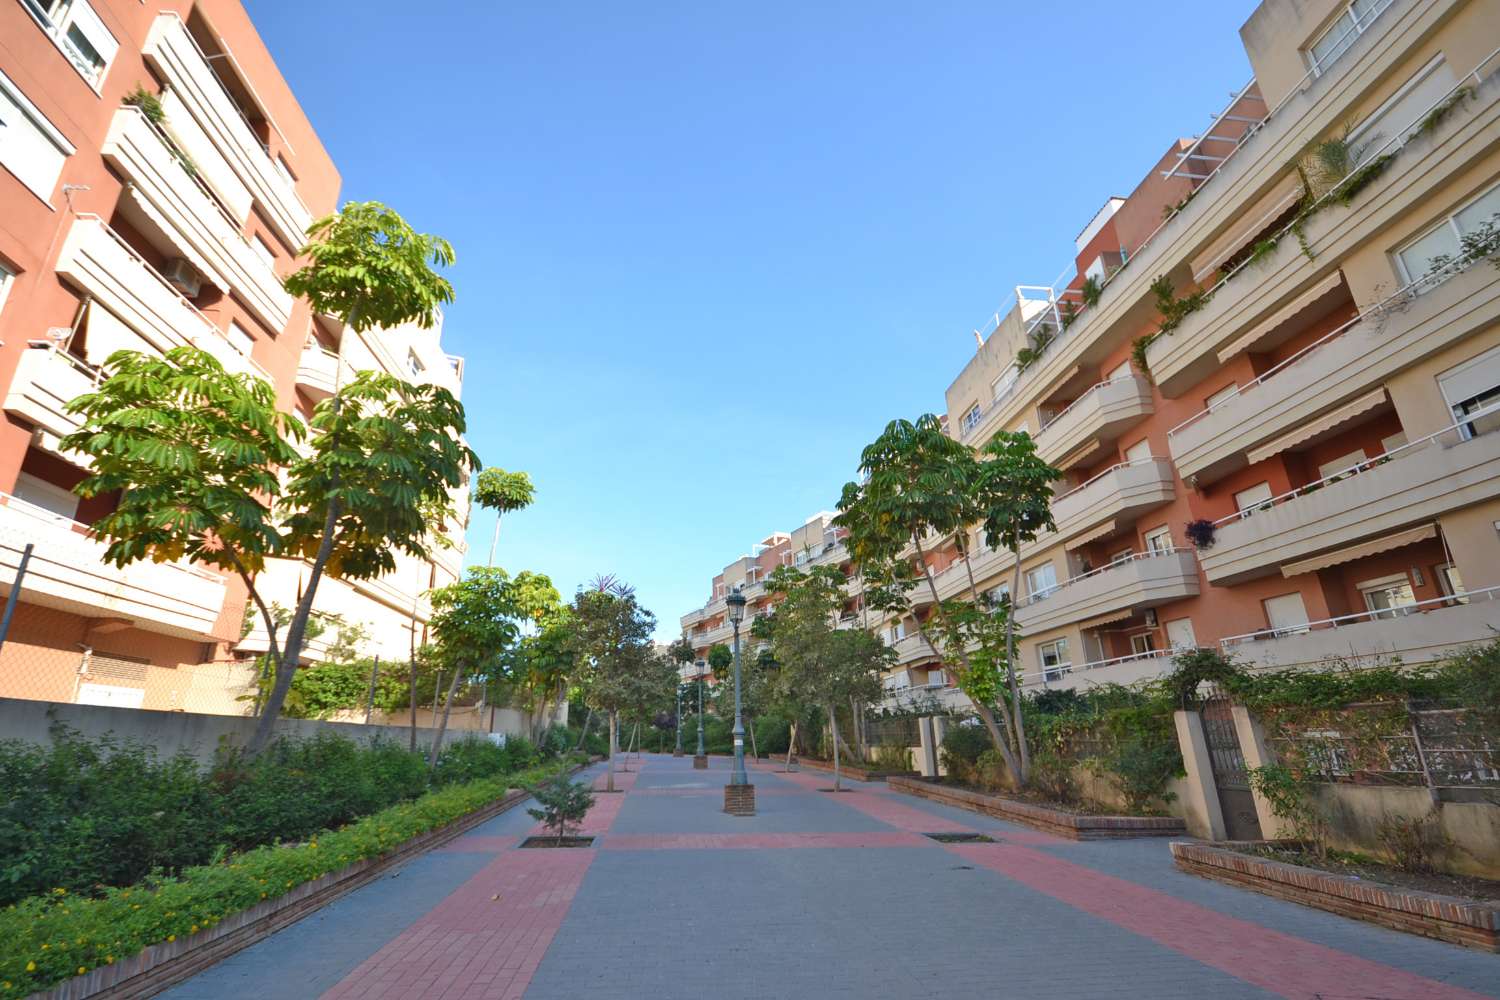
[(706, 250)]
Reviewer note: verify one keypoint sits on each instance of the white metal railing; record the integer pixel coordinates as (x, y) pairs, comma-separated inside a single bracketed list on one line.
[(1042, 595), (1401, 296), (1254, 129), (1417, 607), (1364, 465), (64, 523), (1109, 471), (1399, 140), (1082, 397)]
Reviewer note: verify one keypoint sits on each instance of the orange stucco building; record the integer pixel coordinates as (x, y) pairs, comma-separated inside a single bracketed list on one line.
[(158, 178)]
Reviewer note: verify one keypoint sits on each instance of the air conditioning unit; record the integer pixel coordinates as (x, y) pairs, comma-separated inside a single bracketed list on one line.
[(182, 276), (1151, 617)]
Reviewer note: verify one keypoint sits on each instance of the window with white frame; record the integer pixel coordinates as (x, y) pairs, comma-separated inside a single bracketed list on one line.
[(1143, 642), (1474, 387), (1257, 497), (1388, 595), (1334, 41), (1440, 246), (1286, 614), (239, 338), (1002, 385), (1053, 657), (999, 595), (1388, 125), (1341, 464), (1121, 556), (31, 148), (1451, 584), (972, 417), (75, 28), (1041, 581), (7, 278), (414, 366), (1159, 540)]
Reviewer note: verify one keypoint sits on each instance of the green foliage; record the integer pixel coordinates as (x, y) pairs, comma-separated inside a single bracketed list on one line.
[(475, 618), (371, 269), (890, 757), (962, 746), (1091, 291), (1289, 795), (720, 657), (1439, 114), (1138, 352), (51, 937), (1362, 178), (1174, 310), (502, 491), (563, 804), (148, 102), (772, 733), (1192, 667)]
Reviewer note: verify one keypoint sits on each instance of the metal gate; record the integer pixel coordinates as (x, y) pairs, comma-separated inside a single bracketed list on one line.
[(1230, 777)]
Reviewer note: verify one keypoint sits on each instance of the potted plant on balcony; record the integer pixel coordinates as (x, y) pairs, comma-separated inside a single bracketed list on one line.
[(1201, 533)]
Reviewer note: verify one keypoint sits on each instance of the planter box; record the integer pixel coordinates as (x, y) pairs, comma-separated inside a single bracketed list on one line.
[(1446, 918), (165, 964), (1054, 821), (847, 770)]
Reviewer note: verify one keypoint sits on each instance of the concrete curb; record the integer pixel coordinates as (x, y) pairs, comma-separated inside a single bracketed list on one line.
[(1054, 821)]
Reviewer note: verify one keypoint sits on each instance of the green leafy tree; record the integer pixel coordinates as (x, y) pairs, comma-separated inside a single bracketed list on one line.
[(563, 803), (502, 492), (611, 645), (720, 657), (473, 621), (819, 663)]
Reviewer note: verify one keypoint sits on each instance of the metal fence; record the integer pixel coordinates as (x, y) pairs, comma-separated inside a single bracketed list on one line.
[(900, 731), (1390, 743)]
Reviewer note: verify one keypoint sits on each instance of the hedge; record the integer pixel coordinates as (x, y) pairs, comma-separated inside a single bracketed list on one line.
[(49, 938)]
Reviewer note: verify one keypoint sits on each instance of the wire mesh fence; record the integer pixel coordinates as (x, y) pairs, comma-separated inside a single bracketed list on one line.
[(1391, 743)]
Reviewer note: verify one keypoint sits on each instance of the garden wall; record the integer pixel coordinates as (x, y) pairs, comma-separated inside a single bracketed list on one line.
[(200, 735), (1471, 828)]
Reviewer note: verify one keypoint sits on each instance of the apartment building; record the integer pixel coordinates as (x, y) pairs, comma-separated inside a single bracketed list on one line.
[(1321, 406), (158, 179)]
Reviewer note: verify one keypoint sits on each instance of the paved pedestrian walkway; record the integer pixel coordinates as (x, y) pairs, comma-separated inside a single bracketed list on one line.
[(819, 895)]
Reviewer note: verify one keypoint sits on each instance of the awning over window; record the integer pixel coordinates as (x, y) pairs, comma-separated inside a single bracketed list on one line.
[(1114, 616), (1314, 296), (105, 333), (152, 221), (1317, 426), (1103, 531), (1359, 551)]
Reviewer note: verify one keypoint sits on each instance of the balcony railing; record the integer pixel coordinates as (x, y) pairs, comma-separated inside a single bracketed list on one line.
[(1383, 614)]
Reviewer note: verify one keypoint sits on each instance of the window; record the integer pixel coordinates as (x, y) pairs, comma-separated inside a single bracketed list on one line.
[(414, 365), (999, 595), (263, 251), (1007, 379), (240, 339), (1214, 399), (1353, 19), (972, 417), (1121, 556), (1450, 583), (1472, 387), (1388, 125), (802, 558), (50, 497), (1388, 595), (1257, 497), (1159, 540), (1439, 247), (1286, 614), (1139, 451), (1054, 659), (77, 31), (1143, 642), (7, 278), (1180, 634), (1342, 463), (1041, 581), (30, 147)]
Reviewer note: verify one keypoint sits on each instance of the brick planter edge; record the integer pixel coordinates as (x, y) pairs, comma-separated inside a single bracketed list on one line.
[(1054, 821), (165, 963), (1446, 918)]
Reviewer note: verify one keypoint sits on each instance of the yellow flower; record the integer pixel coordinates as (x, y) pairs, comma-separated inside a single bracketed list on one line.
[(46, 946), (194, 930), (30, 966), (82, 970), (171, 937)]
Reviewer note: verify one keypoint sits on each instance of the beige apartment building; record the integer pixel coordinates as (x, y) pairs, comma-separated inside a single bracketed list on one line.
[(158, 178), (1322, 405)]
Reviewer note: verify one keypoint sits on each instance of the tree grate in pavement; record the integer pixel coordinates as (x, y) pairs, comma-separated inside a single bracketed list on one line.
[(550, 841), (960, 838)]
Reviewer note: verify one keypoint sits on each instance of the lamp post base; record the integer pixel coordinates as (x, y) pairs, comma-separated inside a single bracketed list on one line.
[(700, 762), (676, 753), (739, 800)]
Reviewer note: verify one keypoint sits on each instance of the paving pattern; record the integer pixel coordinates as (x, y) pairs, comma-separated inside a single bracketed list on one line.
[(819, 895)]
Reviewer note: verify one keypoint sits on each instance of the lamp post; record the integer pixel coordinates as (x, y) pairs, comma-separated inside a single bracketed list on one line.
[(739, 794), (700, 759), (678, 720)]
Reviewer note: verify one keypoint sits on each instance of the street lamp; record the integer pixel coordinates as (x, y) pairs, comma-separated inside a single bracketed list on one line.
[(677, 719), (739, 794)]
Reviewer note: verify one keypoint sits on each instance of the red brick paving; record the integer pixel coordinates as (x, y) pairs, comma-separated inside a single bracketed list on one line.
[(1290, 966), (742, 841)]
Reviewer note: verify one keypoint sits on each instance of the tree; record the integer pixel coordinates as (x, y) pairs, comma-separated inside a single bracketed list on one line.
[(720, 658), (820, 663), (1015, 495), (563, 803), (611, 645), (921, 484), (502, 492), (473, 621)]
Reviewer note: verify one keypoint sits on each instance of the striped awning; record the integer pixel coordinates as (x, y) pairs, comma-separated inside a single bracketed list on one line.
[(1353, 552), (1280, 316), (1316, 426)]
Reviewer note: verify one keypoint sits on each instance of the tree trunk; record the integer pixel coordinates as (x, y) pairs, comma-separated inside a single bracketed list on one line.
[(411, 696), (437, 741), (614, 746), (1018, 726), (495, 539), (791, 744), (754, 750), (588, 720), (987, 715), (833, 723)]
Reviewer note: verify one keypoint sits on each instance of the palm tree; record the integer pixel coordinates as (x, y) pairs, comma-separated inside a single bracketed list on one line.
[(503, 492)]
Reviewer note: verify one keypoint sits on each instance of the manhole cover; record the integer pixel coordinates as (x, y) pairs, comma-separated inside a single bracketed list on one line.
[(558, 842), (960, 838)]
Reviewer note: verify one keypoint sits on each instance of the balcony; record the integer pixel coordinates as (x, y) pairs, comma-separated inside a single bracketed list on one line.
[(67, 572), (98, 261), (1311, 392), (46, 380), (1412, 484), (939, 698), (1119, 670), (318, 372), (1094, 421), (1315, 105), (173, 54), (1117, 496), (1418, 633), (164, 198), (912, 649), (1141, 581), (1245, 301)]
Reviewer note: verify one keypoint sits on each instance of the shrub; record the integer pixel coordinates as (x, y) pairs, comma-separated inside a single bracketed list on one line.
[(563, 804), (890, 757), (772, 734), (472, 758), (962, 746), (1413, 841)]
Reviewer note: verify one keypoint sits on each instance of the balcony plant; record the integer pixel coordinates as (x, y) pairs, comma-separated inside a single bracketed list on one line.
[(1201, 533)]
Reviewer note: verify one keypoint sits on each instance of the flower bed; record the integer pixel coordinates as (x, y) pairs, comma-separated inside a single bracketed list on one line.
[(1061, 822), (849, 770), (136, 941), (1468, 922)]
